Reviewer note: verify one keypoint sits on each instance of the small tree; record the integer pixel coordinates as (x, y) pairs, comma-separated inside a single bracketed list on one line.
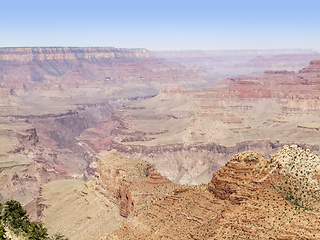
[(2, 231), (36, 231), (15, 217), (12, 215)]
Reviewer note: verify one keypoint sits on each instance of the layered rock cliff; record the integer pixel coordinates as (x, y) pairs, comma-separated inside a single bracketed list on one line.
[(24, 68), (64, 97), (69, 53)]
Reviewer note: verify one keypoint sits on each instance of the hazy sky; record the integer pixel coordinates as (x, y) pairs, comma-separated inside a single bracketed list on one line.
[(161, 25)]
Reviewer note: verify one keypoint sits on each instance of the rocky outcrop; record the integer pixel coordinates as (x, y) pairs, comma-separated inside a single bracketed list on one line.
[(240, 177), (120, 189), (251, 197), (131, 184)]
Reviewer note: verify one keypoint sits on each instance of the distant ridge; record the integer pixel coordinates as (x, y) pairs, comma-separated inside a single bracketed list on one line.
[(48, 53), (235, 52)]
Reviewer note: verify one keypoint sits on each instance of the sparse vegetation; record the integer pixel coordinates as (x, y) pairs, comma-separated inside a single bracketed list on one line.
[(14, 218)]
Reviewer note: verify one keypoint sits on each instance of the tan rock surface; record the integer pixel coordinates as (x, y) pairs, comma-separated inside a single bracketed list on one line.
[(73, 209), (120, 189)]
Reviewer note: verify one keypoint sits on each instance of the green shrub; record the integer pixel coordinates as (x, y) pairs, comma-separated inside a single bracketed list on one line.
[(15, 218)]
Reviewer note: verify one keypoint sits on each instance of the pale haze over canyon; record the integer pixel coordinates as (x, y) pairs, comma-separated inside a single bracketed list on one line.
[(165, 120)]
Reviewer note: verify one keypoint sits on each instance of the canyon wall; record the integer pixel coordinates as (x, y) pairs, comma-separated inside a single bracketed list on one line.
[(189, 134), (69, 53), (79, 102)]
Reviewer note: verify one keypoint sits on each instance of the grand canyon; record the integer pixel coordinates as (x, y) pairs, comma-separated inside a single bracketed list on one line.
[(109, 143)]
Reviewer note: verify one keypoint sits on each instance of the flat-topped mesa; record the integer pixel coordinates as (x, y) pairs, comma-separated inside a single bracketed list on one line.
[(69, 53)]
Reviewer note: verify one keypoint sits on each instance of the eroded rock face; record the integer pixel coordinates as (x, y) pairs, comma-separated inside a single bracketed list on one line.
[(250, 198), (240, 177), (129, 183), (119, 190)]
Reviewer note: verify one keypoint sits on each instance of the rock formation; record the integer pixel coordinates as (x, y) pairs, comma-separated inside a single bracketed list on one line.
[(250, 197), (129, 183), (120, 189)]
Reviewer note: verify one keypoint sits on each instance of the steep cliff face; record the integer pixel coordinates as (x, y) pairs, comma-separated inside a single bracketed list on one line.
[(251, 197)]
